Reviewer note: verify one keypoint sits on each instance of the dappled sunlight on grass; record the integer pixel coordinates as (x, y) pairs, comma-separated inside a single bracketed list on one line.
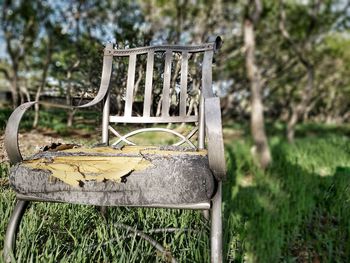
[(291, 211)]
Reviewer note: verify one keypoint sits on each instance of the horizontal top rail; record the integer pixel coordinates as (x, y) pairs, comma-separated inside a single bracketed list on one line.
[(161, 119), (173, 48)]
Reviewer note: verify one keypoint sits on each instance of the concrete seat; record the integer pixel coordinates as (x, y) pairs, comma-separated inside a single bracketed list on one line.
[(105, 176)]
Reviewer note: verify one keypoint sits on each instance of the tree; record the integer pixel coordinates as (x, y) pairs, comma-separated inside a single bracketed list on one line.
[(20, 25), (45, 52), (317, 18), (261, 147)]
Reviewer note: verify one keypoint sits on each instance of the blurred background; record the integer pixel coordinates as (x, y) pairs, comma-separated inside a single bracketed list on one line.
[(283, 77)]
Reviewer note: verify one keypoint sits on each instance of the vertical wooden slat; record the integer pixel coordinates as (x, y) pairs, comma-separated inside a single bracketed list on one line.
[(148, 83), (183, 91), (130, 85), (166, 84)]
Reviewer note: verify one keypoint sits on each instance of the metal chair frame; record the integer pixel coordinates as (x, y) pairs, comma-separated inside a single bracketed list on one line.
[(208, 128)]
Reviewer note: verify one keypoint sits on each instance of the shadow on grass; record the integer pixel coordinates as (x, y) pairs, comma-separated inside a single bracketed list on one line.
[(287, 214), (302, 130)]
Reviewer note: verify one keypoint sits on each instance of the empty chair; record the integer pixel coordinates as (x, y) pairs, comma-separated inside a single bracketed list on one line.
[(184, 175)]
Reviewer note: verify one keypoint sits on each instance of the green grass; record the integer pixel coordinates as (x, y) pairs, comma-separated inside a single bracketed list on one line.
[(55, 120), (296, 211)]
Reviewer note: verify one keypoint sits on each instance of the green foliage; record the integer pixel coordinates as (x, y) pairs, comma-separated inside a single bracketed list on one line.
[(4, 115), (54, 120), (75, 31)]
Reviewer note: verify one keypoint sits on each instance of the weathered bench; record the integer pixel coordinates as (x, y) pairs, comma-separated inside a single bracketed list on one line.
[(143, 176)]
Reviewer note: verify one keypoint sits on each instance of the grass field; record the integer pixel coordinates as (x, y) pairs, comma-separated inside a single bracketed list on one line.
[(296, 211)]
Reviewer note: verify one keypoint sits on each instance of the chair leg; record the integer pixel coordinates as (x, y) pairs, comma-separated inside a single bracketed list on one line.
[(12, 228), (103, 210), (206, 214), (216, 227)]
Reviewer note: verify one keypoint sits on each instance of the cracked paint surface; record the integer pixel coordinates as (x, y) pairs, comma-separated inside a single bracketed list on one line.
[(137, 150), (98, 164), (74, 170)]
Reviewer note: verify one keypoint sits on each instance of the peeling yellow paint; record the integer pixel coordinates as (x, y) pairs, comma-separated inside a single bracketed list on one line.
[(94, 150), (72, 169), (80, 168), (168, 152), (136, 150)]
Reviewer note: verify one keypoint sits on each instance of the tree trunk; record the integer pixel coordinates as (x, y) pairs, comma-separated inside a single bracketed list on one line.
[(299, 109), (159, 105), (43, 82), (36, 107), (138, 81), (70, 118), (14, 92), (261, 148), (24, 91), (291, 124), (70, 113), (69, 100)]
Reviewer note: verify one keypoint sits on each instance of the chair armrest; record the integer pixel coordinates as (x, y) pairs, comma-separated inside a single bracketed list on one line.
[(105, 79), (216, 154), (11, 132), (12, 127)]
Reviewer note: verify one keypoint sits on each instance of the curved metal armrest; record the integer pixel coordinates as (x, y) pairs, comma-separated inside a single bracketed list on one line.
[(105, 78), (11, 133), (213, 127), (12, 127)]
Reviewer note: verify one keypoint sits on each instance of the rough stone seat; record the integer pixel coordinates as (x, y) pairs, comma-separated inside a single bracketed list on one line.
[(105, 176)]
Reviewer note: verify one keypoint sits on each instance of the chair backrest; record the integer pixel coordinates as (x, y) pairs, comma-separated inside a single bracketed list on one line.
[(173, 95)]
